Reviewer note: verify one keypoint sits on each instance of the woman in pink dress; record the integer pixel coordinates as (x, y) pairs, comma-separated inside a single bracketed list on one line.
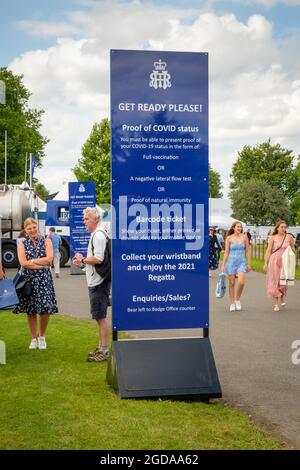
[(278, 243)]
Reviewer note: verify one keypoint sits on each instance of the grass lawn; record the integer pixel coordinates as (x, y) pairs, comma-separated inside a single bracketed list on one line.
[(54, 399)]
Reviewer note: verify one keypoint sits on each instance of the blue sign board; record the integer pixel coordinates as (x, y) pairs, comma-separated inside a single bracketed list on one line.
[(159, 118), (81, 196)]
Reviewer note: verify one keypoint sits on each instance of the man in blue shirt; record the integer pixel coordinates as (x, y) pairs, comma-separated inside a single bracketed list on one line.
[(56, 241)]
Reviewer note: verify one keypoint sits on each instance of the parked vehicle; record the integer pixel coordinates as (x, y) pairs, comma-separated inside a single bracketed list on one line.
[(15, 207), (57, 216)]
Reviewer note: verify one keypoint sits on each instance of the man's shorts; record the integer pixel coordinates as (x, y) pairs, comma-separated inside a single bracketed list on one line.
[(99, 300)]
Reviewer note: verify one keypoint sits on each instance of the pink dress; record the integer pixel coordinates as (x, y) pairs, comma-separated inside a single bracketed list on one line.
[(274, 289)]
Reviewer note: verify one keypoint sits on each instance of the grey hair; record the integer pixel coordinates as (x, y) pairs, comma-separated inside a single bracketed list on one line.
[(95, 212)]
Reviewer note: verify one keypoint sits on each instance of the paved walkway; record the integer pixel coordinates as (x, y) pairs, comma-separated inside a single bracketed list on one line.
[(252, 350)]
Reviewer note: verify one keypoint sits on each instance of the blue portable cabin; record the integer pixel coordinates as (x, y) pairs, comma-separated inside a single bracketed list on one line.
[(57, 216)]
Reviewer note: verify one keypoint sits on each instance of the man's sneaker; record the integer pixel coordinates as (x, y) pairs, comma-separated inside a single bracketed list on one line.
[(33, 344), (99, 356), (238, 305), (42, 342), (232, 308)]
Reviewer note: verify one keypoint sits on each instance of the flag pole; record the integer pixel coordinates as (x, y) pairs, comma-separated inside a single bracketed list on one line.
[(25, 179), (30, 170), (5, 158)]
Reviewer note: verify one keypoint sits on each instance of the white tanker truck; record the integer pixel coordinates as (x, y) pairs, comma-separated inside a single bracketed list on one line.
[(15, 207)]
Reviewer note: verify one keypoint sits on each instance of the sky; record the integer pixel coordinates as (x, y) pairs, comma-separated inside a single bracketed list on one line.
[(62, 49)]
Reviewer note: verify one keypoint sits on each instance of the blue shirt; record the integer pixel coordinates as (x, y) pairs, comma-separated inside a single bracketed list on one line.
[(56, 240)]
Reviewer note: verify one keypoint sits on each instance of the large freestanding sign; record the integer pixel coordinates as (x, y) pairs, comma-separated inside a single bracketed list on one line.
[(159, 115), (81, 196)]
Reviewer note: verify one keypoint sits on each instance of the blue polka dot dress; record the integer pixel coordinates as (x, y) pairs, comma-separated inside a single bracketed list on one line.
[(42, 300)]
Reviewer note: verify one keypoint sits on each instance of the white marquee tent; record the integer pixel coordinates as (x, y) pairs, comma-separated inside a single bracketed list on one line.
[(220, 213)]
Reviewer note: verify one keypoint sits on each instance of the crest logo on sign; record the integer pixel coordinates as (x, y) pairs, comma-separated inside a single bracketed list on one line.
[(81, 188), (160, 77)]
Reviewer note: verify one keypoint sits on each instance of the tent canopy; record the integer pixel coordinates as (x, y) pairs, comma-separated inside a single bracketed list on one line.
[(220, 214)]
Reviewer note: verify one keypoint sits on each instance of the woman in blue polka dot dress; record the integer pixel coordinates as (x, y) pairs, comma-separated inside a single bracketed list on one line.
[(35, 256)]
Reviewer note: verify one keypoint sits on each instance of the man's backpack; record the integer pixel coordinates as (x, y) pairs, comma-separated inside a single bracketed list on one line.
[(104, 268)]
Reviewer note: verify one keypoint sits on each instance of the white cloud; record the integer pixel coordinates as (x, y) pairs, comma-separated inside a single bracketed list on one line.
[(254, 81), (66, 81)]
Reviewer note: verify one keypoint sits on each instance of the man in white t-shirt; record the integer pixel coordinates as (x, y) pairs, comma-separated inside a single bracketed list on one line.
[(99, 288)]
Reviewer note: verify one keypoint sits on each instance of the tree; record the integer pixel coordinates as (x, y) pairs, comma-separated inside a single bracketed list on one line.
[(258, 203), (293, 183), (94, 165), (215, 184), (295, 209), (41, 190), (22, 124), (270, 163)]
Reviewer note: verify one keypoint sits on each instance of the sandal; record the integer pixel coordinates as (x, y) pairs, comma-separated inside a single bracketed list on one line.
[(92, 353), (98, 357)]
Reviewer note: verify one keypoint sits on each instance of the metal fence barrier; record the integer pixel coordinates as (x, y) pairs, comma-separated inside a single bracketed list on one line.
[(259, 248)]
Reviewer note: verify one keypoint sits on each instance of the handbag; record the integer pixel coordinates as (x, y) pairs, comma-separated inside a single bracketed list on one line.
[(221, 286), (22, 284), (8, 294)]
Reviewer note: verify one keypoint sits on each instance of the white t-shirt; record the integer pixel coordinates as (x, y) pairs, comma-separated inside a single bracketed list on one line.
[(99, 243), (220, 238)]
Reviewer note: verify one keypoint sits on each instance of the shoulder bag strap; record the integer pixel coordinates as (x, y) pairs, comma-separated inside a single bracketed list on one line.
[(92, 244), (104, 233), (277, 249)]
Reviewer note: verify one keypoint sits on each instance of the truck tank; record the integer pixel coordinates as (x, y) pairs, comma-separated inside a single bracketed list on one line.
[(14, 209)]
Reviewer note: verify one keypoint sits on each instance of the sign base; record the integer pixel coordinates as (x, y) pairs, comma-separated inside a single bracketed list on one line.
[(164, 368)]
